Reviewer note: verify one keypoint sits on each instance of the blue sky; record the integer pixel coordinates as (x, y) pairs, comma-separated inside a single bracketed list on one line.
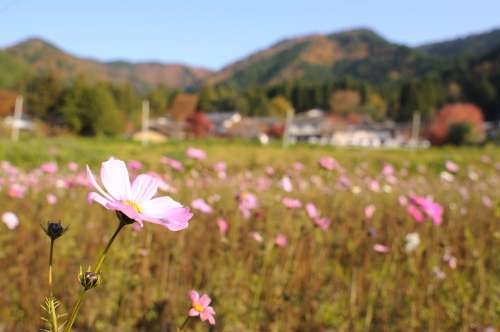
[(215, 33)]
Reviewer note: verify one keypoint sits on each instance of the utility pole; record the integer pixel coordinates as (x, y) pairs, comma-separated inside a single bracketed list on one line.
[(288, 121), (415, 127), (145, 120), (16, 121)]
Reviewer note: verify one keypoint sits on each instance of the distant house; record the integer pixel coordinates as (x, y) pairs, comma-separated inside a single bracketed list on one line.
[(222, 122), (318, 127), (173, 123)]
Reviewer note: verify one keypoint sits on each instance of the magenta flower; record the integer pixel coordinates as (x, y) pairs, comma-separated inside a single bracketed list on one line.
[(16, 191), (135, 165), (291, 203), (328, 163), (312, 211), (281, 240), (196, 154), (247, 203), (200, 306), (175, 164), (136, 201), (223, 226), (50, 167), (370, 211), (286, 184), (200, 205), (10, 220), (451, 166), (380, 248)]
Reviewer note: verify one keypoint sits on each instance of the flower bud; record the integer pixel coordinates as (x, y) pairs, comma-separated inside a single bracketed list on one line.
[(89, 279), (54, 229)]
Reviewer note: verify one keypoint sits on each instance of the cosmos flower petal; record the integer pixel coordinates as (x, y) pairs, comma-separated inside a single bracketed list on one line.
[(193, 312), (115, 178), (205, 300), (93, 196), (96, 185), (144, 188), (194, 296)]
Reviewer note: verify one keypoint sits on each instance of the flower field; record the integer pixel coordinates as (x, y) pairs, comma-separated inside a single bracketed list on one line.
[(296, 239)]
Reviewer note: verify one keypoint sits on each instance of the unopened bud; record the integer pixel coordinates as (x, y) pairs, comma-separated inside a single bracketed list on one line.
[(89, 279), (54, 229)]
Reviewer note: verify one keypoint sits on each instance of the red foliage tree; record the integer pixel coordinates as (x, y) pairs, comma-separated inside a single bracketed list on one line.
[(198, 124), (452, 114)]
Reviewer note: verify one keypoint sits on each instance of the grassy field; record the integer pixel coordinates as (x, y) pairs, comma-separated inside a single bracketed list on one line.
[(277, 267)]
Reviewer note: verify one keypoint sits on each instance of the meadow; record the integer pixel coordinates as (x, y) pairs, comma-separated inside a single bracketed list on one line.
[(282, 239)]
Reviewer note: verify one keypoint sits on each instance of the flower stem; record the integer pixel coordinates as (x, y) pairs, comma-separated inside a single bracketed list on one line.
[(51, 254), (52, 308), (183, 324), (97, 268)]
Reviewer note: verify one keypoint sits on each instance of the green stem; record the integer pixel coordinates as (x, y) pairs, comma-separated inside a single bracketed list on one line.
[(52, 309), (183, 324), (97, 268), (50, 265)]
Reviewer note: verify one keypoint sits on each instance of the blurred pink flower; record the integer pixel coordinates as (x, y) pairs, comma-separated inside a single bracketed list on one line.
[(286, 184), (370, 211), (388, 170), (257, 237), (247, 203), (136, 201), (200, 306), (196, 154), (298, 166), (223, 226), (422, 205), (281, 240), (451, 166), (322, 223), (200, 205), (175, 164), (220, 167), (291, 203), (312, 211), (16, 191), (134, 164), (10, 220), (380, 248), (50, 167), (51, 199), (415, 213), (328, 163), (72, 166)]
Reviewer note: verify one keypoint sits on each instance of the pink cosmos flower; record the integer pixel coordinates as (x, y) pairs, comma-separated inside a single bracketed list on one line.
[(196, 154), (257, 237), (291, 203), (281, 240), (247, 203), (223, 226), (286, 184), (388, 170), (432, 209), (200, 306), (328, 163), (16, 191), (380, 248), (415, 213), (136, 201), (135, 165), (312, 211), (51, 199), (298, 166), (10, 220), (50, 167), (322, 223), (451, 166), (370, 211), (72, 166), (175, 164), (200, 205)]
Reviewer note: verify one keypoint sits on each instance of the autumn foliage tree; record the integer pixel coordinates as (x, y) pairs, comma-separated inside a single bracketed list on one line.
[(454, 116), (198, 124)]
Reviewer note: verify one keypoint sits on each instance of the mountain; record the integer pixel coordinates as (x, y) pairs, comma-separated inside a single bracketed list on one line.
[(36, 55), (359, 53), (475, 45)]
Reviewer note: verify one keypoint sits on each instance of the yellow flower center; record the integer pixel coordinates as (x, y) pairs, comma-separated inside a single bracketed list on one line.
[(198, 307), (134, 205)]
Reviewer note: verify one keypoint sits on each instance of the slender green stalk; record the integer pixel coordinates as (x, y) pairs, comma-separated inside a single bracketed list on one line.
[(97, 268), (52, 308), (183, 324)]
